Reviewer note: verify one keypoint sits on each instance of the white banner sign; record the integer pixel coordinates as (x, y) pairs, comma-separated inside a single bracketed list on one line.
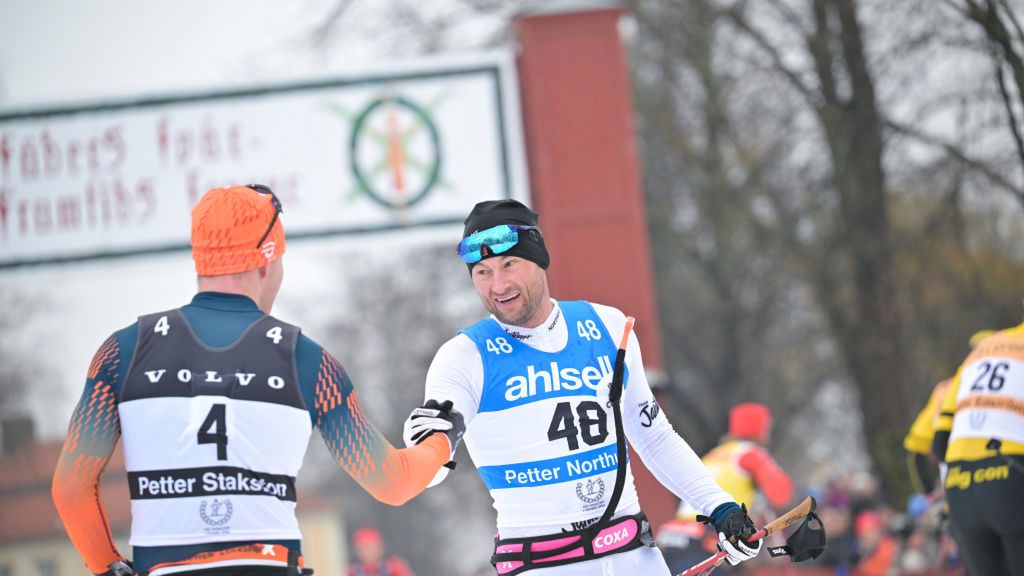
[(389, 151)]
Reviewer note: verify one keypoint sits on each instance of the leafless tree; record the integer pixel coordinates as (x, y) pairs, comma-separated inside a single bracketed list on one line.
[(791, 201), (1000, 22), (397, 313), (23, 378), (827, 185)]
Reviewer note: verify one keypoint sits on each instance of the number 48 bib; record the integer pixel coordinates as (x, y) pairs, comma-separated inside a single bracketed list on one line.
[(542, 441)]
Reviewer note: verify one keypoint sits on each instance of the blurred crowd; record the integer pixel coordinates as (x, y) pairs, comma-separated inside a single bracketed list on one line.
[(866, 537)]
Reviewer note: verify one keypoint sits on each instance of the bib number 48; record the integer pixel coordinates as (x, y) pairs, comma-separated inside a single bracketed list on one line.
[(593, 425)]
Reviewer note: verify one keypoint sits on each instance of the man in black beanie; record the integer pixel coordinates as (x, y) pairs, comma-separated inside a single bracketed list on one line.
[(513, 236), (495, 212), (532, 381)]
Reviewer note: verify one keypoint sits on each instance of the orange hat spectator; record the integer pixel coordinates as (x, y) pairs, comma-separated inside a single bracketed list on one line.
[(750, 421), (372, 559), (877, 547)]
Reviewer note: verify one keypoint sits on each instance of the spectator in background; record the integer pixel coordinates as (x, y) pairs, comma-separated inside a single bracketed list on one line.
[(743, 467), (917, 554), (877, 549), (372, 560), (841, 551), (864, 491)]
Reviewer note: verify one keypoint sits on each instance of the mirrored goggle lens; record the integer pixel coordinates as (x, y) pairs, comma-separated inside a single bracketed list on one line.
[(497, 240)]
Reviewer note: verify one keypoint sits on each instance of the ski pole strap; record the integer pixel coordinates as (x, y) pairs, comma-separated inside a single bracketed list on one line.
[(806, 543), (614, 398), (515, 555)]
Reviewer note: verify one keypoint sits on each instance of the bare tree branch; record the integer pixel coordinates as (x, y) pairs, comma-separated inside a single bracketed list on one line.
[(789, 15), (1013, 20), (773, 53), (323, 33), (1008, 106), (955, 152)]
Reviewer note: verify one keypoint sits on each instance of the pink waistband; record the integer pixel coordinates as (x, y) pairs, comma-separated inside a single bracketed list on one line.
[(608, 540)]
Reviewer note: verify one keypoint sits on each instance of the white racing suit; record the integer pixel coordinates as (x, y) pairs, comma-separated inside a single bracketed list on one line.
[(543, 438)]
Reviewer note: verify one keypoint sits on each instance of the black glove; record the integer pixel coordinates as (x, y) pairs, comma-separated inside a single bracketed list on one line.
[(736, 524), (119, 568), (434, 417), (734, 531)]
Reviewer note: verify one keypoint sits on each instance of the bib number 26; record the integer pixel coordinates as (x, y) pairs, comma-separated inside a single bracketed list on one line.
[(593, 425)]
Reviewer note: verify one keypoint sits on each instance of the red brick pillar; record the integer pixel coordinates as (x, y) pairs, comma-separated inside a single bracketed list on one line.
[(585, 181)]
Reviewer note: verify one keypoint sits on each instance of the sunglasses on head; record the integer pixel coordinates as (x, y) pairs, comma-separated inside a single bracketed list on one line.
[(496, 240), (275, 201)]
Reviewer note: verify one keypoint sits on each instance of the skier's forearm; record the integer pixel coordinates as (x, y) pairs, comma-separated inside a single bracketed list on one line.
[(92, 436), (406, 472), (390, 475)]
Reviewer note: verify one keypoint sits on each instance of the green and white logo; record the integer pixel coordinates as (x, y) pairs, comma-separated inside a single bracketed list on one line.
[(395, 151)]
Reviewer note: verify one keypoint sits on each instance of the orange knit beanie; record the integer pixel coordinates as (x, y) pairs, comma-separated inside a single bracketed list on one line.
[(227, 225)]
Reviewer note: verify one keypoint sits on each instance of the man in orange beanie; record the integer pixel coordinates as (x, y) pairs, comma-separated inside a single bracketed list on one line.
[(214, 403), (742, 467)]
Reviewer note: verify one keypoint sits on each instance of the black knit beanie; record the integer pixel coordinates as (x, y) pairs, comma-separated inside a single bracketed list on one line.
[(491, 213)]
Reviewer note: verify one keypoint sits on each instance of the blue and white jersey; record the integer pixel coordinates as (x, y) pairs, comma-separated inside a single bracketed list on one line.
[(543, 440), (527, 421)]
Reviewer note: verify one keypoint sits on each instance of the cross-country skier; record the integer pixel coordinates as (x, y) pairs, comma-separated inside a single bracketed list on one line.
[(214, 403), (532, 383)]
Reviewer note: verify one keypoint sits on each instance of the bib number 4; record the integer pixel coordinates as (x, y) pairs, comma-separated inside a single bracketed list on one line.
[(214, 430), (593, 424)]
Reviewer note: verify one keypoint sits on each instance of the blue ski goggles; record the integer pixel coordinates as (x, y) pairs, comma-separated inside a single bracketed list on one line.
[(491, 241)]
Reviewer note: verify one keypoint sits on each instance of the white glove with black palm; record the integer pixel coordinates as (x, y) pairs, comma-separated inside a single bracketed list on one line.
[(734, 532), (433, 417), (734, 528)]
